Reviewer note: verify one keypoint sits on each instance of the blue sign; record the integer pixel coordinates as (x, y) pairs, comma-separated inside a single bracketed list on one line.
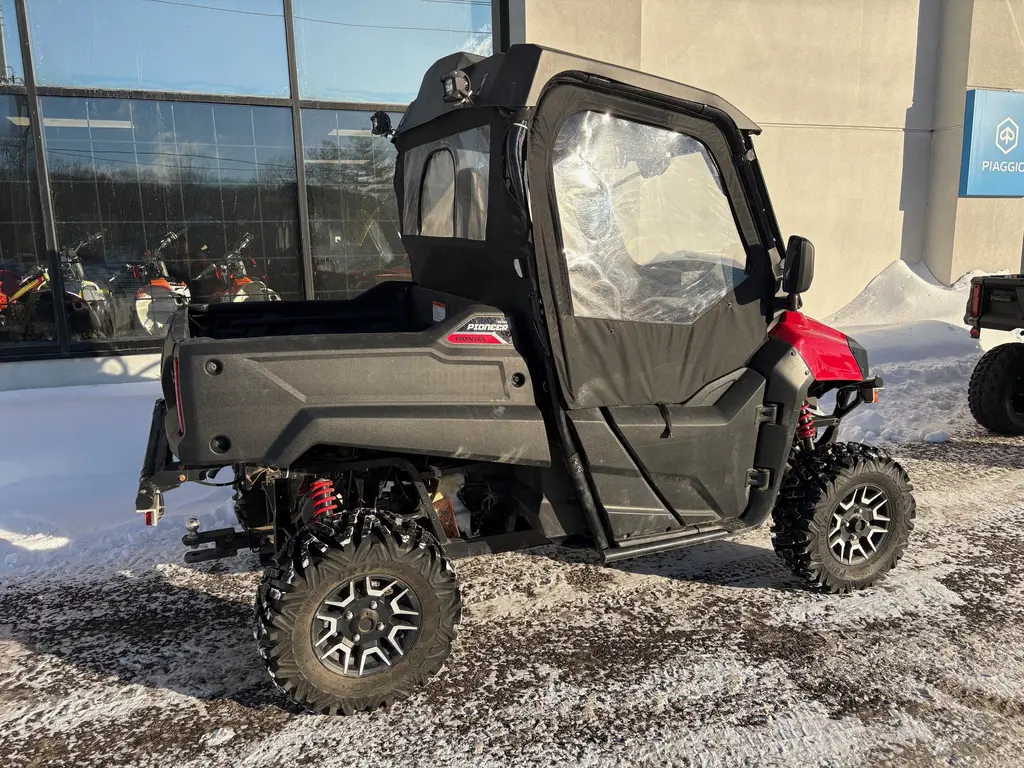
[(992, 163)]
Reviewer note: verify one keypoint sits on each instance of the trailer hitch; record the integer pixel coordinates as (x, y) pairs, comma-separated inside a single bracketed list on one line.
[(227, 542)]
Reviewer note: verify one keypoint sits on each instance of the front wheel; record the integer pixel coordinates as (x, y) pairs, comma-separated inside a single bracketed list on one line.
[(356, 612), (843, 517)]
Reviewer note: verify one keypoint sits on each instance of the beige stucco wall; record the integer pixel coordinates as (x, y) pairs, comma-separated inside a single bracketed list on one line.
[(861, 102)]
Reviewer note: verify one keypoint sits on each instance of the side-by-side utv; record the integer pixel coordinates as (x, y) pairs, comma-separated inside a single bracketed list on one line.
[(600, 346)]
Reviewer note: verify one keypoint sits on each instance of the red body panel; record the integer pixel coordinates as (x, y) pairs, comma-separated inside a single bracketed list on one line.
[(825, 350)]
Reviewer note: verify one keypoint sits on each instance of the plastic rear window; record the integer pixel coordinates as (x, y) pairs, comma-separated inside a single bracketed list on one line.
[(428, 176)]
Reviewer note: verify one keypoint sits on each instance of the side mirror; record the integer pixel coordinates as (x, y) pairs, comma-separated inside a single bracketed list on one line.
[(799, 267), (380, 124)]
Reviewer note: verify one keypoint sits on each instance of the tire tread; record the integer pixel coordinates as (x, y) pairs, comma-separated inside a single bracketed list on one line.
[(367, 537), (805, 504), (990, 386)]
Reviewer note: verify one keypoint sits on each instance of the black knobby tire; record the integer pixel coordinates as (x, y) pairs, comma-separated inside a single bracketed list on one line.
[(802, 521), (332, 551), (995, 393)]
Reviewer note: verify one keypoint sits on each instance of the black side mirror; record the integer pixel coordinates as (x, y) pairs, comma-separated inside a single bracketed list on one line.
[(380, 124), (799, 267)]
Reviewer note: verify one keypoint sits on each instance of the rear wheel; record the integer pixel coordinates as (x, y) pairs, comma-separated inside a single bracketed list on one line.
[(356, 612), (996, 390), (844, 516)]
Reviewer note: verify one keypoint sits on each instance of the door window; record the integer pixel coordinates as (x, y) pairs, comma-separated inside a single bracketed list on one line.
[(648, 232)]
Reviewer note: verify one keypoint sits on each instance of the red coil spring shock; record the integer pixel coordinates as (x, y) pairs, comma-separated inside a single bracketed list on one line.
[(323, 496), (805, 429)]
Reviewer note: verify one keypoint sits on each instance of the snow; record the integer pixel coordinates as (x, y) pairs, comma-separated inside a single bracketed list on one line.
[(912, 327), (114, 653), (69, 472)]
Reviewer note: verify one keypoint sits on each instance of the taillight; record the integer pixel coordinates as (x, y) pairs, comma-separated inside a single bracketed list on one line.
[(177, 399), (976, 300)]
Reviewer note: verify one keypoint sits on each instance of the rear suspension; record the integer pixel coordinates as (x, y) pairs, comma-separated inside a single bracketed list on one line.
[(323, 497)]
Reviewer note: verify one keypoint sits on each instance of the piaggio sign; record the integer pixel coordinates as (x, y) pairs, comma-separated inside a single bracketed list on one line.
[(992, 162)]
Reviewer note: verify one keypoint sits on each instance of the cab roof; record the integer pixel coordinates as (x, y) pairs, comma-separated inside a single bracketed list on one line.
[(516, 79)]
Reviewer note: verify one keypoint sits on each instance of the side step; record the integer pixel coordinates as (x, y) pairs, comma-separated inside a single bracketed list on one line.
[(686, 539)]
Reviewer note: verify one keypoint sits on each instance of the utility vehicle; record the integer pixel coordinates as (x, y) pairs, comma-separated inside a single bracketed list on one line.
[(995, 393), (600, 344)]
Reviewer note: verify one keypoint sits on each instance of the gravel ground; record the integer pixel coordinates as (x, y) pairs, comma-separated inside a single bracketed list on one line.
[(707, 657)]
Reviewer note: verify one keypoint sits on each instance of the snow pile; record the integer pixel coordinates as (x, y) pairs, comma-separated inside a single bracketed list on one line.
[(913, 329), (69, 472), (904, 293)]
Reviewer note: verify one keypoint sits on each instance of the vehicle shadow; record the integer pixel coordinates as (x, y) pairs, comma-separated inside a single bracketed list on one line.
[(186, 630), (720, 563), (147, 630)]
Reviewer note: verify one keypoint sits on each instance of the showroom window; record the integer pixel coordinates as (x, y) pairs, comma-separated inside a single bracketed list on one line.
[(377, 50), (214, 46), (125, 175), (195, 152), (28, 316), (353, 212), (11, 70)]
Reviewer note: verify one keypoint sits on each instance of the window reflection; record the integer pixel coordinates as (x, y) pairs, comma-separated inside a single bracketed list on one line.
[(26, 306), (214, 46), (161, 203), (353, 212), (11, 70), (378, 50)]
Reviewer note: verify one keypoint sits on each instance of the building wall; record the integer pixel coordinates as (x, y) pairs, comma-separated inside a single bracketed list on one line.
[(854, 97)]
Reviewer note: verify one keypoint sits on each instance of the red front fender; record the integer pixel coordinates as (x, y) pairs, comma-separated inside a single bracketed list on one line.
[(830, 354)]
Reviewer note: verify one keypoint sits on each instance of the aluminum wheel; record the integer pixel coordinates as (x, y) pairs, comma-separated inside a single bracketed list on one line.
[(366, 626), (859, 525)]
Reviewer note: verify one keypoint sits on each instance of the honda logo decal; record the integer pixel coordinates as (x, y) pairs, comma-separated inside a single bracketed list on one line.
[(1007, 136)]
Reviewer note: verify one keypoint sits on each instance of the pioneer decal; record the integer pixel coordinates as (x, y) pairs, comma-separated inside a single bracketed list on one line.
[(483, 329)]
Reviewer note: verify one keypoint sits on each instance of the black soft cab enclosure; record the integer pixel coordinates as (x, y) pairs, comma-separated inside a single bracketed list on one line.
[(600, 344)]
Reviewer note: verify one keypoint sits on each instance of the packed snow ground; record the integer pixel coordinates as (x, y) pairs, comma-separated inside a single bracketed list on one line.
[(114, 653)]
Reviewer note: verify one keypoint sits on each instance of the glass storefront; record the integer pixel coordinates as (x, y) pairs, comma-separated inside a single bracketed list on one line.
[(11, 70), (221, 46), (23, 264), (132, 173), (174, 171), (378, 50), (353, 211)]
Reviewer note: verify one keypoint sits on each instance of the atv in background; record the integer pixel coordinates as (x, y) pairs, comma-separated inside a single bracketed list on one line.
[(995, 393), (601, 342)]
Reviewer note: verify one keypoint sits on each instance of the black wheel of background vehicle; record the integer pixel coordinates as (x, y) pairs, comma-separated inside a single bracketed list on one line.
[(356, 612), (995, 393), (843, 517)]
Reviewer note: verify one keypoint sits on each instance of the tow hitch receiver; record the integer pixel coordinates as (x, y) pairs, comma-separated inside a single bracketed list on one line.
[(227, 541)]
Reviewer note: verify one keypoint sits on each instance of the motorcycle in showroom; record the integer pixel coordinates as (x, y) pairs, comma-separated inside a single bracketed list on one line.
[(28, 312), (227, 279), (148, 308)]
